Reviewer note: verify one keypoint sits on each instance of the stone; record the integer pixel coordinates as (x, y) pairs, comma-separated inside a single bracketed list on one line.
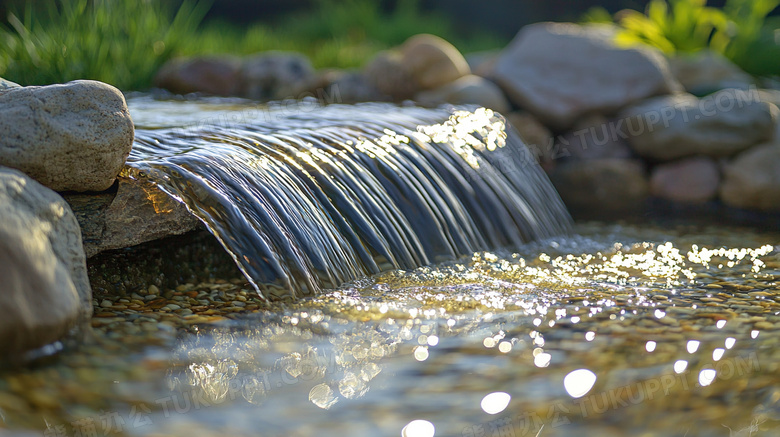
[(601, 184), (46, 290), (719, 125), (482, 63), (214, 75), (752, 179), (6, 84), (136, 213), (692, 180), (275, 76), (422, 62), (469, 89), (70, 137), (563, 71), (387, 73), (705, 72), (534, 134), (338, 86), (593, 138), (432, 61)]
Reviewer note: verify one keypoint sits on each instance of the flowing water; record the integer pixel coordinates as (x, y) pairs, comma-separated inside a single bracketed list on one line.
[(311, 199), (611, 330)]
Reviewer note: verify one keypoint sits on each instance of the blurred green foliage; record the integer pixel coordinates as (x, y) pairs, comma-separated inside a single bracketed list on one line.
[(123, 43), (741, 30), (119, 42)]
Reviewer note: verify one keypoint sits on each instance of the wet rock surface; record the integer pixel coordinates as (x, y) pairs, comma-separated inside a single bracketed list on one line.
[(70, 137), (135, 213)]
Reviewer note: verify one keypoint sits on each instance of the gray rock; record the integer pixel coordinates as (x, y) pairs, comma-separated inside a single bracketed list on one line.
[(469, 89), (138, 212), (482, 63), (74, 136), (562, 71), (275, 76), (593, 138), (336, 86), (45, 289), (215, 75), (752, 180), (387, 73), (692, 180), (706, 71), (6, 84), (721, 124), (601, 184)]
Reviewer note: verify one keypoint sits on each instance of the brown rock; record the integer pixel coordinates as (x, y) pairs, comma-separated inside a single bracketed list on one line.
[(215, 75), (275, 76), (387, 73), (692, 180), (138, 212), (752, 180), (600, 184), (432, 61)]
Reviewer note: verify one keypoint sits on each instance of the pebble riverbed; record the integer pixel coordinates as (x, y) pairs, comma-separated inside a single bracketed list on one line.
[(617, 330)]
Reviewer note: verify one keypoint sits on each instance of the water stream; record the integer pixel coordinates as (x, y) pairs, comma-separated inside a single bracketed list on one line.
[(524, 330), (309, 199)]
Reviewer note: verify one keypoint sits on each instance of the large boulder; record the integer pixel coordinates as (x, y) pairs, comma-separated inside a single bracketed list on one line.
[(469, 89), (275, 76), (682, 125), (706, 71), (752, 180), (601, 184), (70, 137), (214, 75), (45, 288), (562, 71), (692, 180)]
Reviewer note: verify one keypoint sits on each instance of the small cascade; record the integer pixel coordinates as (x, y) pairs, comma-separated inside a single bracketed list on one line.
[(314, 199)]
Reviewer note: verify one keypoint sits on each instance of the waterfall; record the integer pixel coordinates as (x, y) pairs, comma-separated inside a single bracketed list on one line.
[(314, 199)]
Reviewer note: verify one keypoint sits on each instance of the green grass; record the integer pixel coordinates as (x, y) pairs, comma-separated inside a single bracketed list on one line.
[(94, 39), (741, 30)]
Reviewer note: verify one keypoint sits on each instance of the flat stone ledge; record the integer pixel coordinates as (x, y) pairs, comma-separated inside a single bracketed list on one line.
[(135, 212)]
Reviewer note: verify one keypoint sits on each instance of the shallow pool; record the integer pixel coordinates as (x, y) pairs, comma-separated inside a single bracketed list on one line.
[(616, 330)]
